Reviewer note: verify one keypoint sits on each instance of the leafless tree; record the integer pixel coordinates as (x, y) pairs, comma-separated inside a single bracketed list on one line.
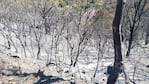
[(133, 13), (117, 68)]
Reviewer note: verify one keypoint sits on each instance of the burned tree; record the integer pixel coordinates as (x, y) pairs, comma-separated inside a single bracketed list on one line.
[(116, 69)]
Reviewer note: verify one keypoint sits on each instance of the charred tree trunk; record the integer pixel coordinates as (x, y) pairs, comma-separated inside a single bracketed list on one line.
[(116, 69), (147, 36), (130, 41), (139, 7)]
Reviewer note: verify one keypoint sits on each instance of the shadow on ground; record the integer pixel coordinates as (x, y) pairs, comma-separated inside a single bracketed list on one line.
[(42, 78), (47, 79)]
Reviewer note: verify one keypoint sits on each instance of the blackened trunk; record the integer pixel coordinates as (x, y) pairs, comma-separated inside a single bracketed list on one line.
[(117, 44), (130, 41), (146, 39)]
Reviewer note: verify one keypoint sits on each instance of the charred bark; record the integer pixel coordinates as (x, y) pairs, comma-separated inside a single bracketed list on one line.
[(116, 69)]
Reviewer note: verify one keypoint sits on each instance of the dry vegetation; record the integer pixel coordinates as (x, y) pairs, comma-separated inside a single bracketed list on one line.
[(69, 40)]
